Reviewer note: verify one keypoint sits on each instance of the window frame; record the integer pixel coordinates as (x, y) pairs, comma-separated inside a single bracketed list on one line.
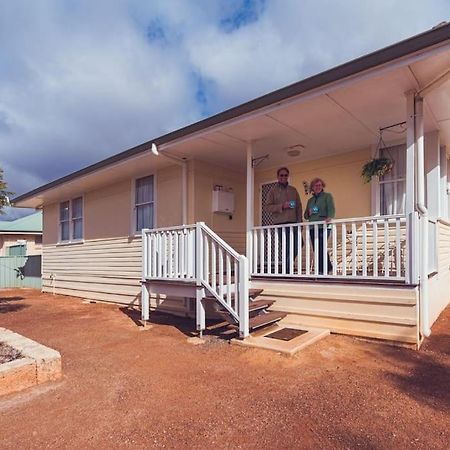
[(393, 181), (71, 221), (134, 231), (376, 183)]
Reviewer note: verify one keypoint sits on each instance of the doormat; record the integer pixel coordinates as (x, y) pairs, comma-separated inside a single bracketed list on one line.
[(286, 334)]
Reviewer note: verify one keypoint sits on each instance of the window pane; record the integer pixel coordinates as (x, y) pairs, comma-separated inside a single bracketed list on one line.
[(78, 229), (144, 190), (144, 217), (64, 211), (64, 231), (398, 154), (393, 197), (77, 208)]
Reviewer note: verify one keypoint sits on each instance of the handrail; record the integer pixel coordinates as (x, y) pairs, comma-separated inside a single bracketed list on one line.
[(174, 228), (362, 247), (322, 222), (219, 240)]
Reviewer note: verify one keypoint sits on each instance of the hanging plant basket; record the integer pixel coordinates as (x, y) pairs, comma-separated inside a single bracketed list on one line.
[(377, 167)]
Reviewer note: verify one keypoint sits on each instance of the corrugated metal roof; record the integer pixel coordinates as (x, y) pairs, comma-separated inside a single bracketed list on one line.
[(31, 223)]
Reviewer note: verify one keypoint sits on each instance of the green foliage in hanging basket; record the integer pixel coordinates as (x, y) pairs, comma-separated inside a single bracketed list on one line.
[(376, 167)]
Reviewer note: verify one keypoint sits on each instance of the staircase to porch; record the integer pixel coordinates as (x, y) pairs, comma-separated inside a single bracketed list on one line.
[(193, 262)]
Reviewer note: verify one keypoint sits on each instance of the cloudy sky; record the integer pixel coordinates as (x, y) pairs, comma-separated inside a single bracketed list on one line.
[(81, 80)]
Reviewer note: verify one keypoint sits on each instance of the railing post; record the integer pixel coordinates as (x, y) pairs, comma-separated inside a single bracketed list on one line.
[(243, 297), (200, 314), (412, 256), (145, 297)]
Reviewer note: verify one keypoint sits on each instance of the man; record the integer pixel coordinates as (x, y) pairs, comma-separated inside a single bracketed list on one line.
[(283, 202)]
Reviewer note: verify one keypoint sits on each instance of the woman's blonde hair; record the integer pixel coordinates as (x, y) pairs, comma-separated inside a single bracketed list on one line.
[(314, 181)]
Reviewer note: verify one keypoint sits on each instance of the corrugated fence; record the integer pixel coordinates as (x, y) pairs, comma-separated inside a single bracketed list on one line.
[(20, 271)]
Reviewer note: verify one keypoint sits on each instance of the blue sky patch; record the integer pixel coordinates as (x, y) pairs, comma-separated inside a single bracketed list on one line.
[(204, 94), (156, 31), (247, 12)]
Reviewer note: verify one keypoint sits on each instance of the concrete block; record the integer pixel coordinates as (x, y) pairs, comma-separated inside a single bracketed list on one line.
[(17, 375)]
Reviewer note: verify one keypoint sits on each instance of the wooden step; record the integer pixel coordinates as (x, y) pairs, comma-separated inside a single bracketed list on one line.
[(265, 319), (253, 307), (252, 293)]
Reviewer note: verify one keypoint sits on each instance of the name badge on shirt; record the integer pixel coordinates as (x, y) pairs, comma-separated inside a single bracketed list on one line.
[(315, 209)]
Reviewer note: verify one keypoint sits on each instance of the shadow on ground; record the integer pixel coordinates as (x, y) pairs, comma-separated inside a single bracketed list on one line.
[(185, 325), (428, 377), (8, 304)]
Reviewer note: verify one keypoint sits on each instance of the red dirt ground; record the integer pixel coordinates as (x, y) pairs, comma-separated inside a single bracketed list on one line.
[(127, 388)]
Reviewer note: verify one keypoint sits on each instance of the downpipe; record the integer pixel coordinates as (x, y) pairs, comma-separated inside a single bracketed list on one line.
[(423, 212)]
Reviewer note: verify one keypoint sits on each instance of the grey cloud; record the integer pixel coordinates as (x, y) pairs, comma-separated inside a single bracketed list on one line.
[(82, 80)]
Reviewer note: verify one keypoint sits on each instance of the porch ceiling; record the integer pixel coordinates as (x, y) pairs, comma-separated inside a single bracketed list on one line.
[(338, 120)]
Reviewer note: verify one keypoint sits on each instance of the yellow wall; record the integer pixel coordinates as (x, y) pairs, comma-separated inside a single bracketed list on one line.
[(50, 224), (206, 176), (108, 211), (341, 174), (169, 197)]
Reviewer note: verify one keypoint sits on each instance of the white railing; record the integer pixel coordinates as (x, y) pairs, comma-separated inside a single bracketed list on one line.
[(194, 253), (358, 248), (169, 253)]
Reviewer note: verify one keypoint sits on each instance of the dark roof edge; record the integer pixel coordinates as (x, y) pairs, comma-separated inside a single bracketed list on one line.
[(400, 49)]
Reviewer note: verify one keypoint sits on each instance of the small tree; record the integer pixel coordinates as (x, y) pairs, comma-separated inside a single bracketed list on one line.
[(4, 193)]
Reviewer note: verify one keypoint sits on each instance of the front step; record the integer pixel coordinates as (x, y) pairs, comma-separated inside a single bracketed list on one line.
[(259, 317), (252, 294), (263, 320)]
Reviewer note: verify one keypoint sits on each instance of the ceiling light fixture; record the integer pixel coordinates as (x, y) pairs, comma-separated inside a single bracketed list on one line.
[(295, 150)]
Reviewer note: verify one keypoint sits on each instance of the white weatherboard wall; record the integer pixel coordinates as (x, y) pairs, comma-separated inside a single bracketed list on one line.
[(107, 270), (439, 283), (99, 269)]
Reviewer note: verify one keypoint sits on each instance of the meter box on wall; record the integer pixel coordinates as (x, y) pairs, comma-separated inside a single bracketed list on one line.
[(222, 200)]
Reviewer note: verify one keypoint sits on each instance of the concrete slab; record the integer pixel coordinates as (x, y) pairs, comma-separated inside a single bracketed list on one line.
[(260, 339)]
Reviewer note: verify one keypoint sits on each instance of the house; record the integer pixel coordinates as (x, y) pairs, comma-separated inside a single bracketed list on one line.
[(22, 236), (180, 219)]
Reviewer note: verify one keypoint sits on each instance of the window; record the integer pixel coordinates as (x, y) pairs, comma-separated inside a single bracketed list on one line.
[(144, 203), (71, 220), (16, 250), (393, 184)]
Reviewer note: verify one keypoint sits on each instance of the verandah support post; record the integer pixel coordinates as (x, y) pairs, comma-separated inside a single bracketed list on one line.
[(423, 211), (412, 269), (249, 203)]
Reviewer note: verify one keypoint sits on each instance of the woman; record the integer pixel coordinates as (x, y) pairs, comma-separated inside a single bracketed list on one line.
[(320, 207)]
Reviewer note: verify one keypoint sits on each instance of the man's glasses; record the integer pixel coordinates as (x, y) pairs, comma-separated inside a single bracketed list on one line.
[(283, 175)]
